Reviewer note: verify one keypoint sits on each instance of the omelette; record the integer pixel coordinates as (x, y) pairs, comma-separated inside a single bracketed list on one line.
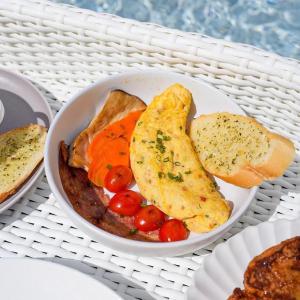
[(166, 167)]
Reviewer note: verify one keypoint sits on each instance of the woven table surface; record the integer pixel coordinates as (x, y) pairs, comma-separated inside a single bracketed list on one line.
[(62, 49)]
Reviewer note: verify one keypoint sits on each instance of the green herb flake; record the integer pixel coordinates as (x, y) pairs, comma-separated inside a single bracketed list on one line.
[(133, 231), (177, 178), (177, 163), (109, 166), (161, 175), (188, 172), (140, 123), (166, 159)]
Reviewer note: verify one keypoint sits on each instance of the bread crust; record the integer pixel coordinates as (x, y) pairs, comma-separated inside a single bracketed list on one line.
[(22, 180), (279, 157), (117, 105)]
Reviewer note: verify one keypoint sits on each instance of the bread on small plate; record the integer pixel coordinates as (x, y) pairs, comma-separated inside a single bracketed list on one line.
[(21, 151), (240, 150)]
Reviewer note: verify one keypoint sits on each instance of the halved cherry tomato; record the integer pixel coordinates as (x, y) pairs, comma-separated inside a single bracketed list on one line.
[(149, 218), (173, 230), (126, 203), (118, 178)]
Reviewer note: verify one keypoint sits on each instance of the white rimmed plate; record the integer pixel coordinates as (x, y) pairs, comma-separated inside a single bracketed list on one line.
[(224, 269), (22, 104), (82, 107), (38, 279)]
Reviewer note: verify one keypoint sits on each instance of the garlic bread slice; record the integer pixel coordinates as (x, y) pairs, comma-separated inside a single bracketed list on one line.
[(240, 150), (21, 150)]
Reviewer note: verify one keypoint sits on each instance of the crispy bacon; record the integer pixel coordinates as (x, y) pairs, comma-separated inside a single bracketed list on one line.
[(90, 202)]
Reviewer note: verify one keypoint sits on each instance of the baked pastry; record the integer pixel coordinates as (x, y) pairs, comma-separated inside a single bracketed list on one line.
[(274, 274)]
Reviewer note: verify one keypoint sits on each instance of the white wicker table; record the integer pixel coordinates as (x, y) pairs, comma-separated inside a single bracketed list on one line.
[(63, 49)]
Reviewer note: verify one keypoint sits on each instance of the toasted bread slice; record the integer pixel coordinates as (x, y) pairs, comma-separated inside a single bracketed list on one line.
[(240, 150), (274, 274), (117, 106), (21, 150)]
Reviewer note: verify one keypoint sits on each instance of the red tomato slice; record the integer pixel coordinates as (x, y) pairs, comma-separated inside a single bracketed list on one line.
[(149, 218), (126, 203), (173, 230), (118, 178)]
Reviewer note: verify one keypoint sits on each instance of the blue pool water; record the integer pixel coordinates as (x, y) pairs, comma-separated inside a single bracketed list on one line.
[(273, 25)]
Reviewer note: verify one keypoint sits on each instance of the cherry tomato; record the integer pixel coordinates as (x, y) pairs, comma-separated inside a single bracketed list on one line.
[(173, 230), (126, 203), (118, 178), (149, 218)]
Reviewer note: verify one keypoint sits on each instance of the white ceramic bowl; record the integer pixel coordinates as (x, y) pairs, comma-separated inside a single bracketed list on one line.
[(78, 112)]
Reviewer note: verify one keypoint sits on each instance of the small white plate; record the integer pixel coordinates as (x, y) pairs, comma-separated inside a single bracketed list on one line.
[(34, 279), (224, 269), (23, 104), (146, 84)]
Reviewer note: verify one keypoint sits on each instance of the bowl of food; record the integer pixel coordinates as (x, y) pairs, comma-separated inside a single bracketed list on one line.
[(126, 162)]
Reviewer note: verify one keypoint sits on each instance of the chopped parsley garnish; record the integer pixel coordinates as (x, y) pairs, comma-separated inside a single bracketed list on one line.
[(160, 138), (177, 163), (160, 146), (177, 178), (140, 123), (166, 159), (161, 175), (109, 166), (188, 172), (133, 231), (140, 161)]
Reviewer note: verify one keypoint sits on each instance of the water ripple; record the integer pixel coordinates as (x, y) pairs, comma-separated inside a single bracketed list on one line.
[(273, 25)]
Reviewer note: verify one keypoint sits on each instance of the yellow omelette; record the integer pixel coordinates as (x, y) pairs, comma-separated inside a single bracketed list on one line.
[(166, 167)]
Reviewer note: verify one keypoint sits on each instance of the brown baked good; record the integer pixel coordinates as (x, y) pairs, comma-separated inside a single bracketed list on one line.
[(117, 105), (274, 274), (21, 151)]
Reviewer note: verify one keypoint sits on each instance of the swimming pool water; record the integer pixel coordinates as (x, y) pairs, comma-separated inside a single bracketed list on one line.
[(273, 25)]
